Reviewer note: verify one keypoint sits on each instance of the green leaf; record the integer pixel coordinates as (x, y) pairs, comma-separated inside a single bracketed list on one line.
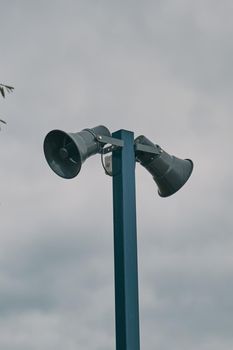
[(2, 91), (9, 87)]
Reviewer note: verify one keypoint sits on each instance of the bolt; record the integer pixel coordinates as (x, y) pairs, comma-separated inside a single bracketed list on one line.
[(63, 153)]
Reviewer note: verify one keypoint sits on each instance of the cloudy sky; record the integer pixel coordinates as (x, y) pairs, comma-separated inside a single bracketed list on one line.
[(158, 68)]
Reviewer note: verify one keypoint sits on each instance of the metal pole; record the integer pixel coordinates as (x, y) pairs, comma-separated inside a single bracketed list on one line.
[(125, 244)]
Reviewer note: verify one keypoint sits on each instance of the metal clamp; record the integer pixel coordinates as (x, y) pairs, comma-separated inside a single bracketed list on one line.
[(113, 145), (139, 147), (113, 142)]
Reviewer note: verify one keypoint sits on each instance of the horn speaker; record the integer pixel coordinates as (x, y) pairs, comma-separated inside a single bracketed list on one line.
[(66, 152), (169, 172)]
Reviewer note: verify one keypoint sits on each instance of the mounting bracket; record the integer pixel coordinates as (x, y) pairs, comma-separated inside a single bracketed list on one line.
[(112, 141), (139, 147)]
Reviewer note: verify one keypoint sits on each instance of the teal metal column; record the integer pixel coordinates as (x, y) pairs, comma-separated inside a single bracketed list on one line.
[(125, 244)]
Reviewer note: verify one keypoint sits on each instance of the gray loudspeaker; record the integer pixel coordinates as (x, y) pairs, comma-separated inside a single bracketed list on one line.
[(66, 152), (169, 172)]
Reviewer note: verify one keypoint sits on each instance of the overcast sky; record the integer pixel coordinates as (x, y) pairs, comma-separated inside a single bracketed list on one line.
[(158, 68)]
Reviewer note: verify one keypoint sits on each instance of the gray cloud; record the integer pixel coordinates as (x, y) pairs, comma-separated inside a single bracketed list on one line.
[(160, 68)]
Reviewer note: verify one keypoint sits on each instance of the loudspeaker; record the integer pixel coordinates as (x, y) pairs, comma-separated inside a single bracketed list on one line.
[(66, 152), (169, 172)]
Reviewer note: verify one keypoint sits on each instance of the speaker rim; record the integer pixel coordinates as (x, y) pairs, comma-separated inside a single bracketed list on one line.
[(46, 144), (190, 173)]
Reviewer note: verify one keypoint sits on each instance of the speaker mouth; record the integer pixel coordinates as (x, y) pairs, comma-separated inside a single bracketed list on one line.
[(62, 154), (168, 186)]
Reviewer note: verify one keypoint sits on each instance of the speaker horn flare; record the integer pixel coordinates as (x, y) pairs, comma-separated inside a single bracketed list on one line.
[(66, 152), (169, 172)]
